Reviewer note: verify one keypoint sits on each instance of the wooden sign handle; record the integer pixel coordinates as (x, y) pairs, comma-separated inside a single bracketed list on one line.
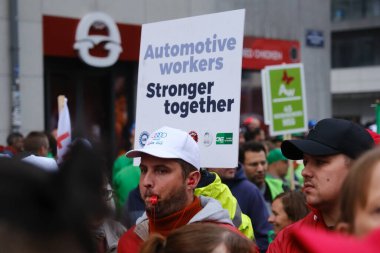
[(61, 102)]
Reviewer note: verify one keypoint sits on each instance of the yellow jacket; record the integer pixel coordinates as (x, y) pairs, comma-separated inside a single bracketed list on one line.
[(222, 193)]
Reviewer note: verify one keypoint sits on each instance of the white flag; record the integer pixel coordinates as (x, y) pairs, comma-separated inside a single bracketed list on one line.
[(64, 129)]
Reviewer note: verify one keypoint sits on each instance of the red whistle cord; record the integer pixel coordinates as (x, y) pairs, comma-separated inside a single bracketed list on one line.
[(153, 200)]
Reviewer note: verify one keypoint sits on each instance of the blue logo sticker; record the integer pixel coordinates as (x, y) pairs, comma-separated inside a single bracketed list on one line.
[(143, 138)]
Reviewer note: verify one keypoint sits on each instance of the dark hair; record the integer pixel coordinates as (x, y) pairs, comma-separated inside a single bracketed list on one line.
[(198, 238), (34, 141), (294, 203), (11, 138), (251, 135), (52, 143), (49, 211), (253, 146), (355, 187), (186, 168)]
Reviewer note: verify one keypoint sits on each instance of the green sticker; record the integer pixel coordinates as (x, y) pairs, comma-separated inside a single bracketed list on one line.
[(223, 138)]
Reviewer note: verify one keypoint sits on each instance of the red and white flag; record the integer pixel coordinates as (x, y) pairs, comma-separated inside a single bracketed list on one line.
[(64, 128)]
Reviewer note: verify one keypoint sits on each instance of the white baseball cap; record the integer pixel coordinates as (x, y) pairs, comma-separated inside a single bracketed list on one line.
[(168, 142)]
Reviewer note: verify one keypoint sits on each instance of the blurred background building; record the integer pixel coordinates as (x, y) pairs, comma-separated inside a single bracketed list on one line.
[(355, 58), (40, 58)]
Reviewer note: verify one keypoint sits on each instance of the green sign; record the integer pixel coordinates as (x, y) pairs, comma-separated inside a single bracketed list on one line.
[(223, 138), (286, 97)]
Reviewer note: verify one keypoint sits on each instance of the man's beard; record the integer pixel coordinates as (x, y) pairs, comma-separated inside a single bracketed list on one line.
[(171, 204)]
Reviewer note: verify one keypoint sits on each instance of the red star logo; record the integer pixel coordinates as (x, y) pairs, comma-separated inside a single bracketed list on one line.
[(194, 135), (287, 79)]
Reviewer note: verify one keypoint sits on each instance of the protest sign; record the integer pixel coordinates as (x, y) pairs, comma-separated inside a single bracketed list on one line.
[(265, 96), (286, 99), (190, 78)]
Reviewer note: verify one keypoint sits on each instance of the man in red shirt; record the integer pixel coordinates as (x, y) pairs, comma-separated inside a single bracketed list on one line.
[(328, 152), (170, 164)]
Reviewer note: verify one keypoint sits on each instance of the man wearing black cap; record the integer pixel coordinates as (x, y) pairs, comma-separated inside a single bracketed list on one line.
[(328, 152)]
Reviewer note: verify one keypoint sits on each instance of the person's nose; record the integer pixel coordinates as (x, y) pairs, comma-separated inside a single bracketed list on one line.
[(147, 179), (306, 172), (260, 168), (271, 218)]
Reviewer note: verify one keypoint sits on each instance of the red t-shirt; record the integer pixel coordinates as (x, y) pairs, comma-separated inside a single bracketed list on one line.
[(321, 242)]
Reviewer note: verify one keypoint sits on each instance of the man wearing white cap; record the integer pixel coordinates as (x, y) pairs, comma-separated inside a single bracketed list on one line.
[(170, 164)]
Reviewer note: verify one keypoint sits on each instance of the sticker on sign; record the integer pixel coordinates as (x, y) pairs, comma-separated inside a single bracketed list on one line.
[(223, 138)]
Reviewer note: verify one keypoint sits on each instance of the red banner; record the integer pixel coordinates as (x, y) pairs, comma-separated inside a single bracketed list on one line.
[(59, 39)]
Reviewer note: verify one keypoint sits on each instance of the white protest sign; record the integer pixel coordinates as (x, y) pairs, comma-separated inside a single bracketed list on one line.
[(265, 96), (190, 78)]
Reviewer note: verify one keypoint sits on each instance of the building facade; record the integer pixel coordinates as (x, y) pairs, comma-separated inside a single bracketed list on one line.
[(40, 54), (355, 55)]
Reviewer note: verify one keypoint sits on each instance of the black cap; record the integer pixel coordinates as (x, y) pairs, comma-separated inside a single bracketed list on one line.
[(330, 137)]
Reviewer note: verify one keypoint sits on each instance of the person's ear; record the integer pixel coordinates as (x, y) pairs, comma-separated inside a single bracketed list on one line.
[(193, 179), (42, 151), (343, 228)]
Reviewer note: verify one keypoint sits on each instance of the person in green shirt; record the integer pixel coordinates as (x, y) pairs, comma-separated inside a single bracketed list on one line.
[(126, 179)]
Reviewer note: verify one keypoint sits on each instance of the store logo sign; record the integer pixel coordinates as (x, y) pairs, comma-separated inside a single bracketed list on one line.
[(84, 41)]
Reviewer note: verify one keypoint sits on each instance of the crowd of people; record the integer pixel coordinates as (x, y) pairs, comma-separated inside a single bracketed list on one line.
[(313, 192)]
